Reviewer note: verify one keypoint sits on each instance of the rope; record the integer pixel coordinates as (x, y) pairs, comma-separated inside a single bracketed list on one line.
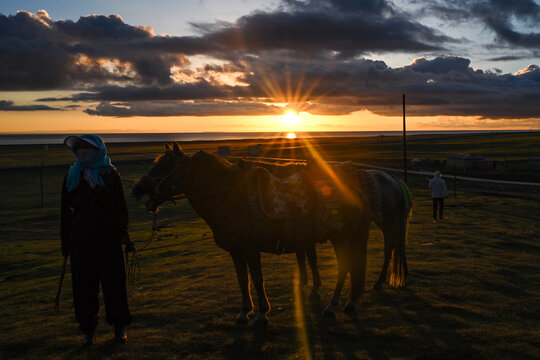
[(133, 266)]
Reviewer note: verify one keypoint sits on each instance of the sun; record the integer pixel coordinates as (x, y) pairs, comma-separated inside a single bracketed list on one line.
[(291, 135), (291, 119)]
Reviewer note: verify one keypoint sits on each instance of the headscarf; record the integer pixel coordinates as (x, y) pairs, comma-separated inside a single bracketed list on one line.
[(91, 169)]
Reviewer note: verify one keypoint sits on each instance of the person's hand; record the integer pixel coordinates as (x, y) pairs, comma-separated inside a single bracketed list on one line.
[(130, 245)]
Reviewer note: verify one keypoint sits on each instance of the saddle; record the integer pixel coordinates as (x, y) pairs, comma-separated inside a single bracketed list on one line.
[(310, 193), (281, 199)]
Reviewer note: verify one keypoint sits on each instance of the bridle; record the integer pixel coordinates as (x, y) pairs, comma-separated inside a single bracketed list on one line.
[(157, 181)]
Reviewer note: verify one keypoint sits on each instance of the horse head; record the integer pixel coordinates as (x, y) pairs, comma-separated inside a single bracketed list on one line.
[(165, 180)]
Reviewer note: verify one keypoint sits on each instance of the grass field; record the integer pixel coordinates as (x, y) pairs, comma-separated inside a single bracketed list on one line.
[(473, 281)]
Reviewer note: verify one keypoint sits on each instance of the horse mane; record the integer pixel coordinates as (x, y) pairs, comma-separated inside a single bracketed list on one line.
[(280, 170), (206, 159), (213, 172)]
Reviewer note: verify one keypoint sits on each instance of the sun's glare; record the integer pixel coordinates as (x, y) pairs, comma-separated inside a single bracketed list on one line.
[(291, 135), (291, 119)]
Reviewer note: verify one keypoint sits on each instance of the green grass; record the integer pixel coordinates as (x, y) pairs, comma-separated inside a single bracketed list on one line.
[(473, 285)]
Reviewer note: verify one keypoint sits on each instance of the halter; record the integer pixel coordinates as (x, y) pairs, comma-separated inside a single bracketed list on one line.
[(157, 181)]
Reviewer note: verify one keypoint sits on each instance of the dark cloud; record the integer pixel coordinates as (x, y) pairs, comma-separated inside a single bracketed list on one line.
[(504, 17), (306, 54), (350, 27), (441, 86), (365, 6), (38, 53), (172, 108), (100, 27), (196, 91), (7, 105), (509, 58)]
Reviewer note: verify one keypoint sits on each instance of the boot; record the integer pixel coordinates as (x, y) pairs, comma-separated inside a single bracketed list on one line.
[(120, 334), (89, 338)]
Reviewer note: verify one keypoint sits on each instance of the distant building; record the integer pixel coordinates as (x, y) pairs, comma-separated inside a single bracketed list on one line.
[(224, 150)]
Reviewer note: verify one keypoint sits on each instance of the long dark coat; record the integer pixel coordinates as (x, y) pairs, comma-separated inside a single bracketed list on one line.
[(93, 226)]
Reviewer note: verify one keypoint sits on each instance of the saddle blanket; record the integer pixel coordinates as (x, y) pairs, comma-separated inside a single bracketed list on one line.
[(286, 198), (313, 193)]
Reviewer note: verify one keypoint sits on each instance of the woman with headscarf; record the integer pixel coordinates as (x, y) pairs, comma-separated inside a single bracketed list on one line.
[(438, 193), (94, 222)]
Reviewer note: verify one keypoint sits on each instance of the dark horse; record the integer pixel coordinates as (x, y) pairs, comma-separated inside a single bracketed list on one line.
[(284, 170), (216, 189)]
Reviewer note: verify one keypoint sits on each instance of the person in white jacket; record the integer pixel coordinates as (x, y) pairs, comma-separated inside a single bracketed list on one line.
[(438, 193)]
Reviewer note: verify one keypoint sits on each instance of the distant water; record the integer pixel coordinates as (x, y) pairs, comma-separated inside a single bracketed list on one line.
[(51, 139)]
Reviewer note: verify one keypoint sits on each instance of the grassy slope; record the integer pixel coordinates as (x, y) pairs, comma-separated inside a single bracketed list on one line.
[(472, 293)]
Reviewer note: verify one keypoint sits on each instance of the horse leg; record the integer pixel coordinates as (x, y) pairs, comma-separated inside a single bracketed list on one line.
[(388, 235), (301, 259), (312, 260), (254, 263), (343, 269), (243, 279), (358, 267)]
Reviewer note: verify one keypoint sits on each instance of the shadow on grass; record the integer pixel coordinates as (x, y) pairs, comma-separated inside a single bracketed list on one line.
[(430, 332), (247, 342)]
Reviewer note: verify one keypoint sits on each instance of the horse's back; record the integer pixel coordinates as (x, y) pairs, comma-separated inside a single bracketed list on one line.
[(392, 195)]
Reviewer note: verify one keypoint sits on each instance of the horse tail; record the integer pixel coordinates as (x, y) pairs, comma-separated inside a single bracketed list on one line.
[(399, 270)]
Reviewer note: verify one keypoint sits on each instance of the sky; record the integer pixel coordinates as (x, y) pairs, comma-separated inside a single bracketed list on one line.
[(279, 65)]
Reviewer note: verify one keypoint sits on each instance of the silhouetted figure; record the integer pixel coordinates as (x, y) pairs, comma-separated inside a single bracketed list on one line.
[(438, 193), (94, 222)]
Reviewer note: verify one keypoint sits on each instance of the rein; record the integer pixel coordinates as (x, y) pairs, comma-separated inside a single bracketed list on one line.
[(133, 267)]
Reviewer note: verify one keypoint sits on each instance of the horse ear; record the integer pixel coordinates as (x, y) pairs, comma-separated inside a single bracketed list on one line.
[(168, 148), (176, 148)]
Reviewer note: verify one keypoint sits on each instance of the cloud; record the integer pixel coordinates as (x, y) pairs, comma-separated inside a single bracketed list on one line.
[(440, 86), (305, 54), (347, 27), (194, 91), (172, 108), (7, 105), (509, 20), (510, 58), (39, 53)]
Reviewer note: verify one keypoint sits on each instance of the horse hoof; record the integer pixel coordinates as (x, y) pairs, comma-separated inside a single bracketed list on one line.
[(261, 320), (349, 309), (377, 286), (242, 318)]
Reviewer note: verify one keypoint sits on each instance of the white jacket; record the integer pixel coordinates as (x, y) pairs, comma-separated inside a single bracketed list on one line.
[(438, 186)]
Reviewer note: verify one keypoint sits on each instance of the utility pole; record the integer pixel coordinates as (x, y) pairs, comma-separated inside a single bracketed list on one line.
[(404, 144), (41, 179)]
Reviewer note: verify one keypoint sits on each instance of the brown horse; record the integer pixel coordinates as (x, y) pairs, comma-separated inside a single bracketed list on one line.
[(216, 189)]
